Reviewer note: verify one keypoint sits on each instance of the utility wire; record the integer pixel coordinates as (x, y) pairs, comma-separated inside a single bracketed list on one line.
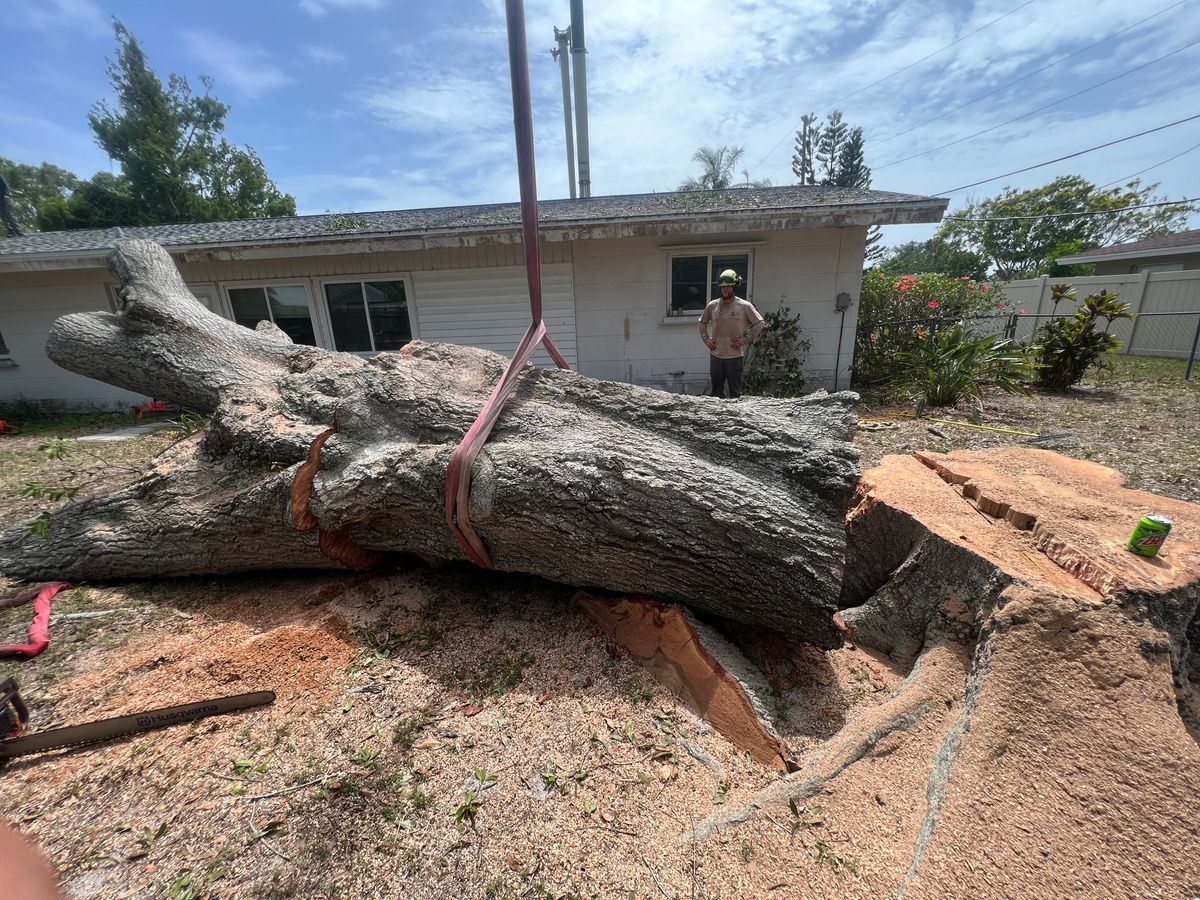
[(1098, 212), (895, 73), (1070, 155), (1009, 84), (1025, 115), (1129, 178)]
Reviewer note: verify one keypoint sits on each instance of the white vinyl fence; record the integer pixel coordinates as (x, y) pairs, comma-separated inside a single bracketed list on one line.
[(1149, 295)]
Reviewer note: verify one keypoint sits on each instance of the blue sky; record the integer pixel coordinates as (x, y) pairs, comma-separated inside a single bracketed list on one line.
[(378, 104)]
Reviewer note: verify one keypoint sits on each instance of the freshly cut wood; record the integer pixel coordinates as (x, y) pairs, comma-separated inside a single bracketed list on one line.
[(1048, 736), (735, 508), (697, 664)]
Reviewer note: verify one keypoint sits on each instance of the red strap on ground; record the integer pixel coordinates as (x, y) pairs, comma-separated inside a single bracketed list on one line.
[(39, 629), (458, 473)]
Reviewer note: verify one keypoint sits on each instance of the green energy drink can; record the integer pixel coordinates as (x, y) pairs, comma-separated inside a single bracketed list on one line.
[(1149, 535)]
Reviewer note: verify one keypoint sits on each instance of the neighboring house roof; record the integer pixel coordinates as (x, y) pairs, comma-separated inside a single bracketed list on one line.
[(1163, 245), (673, 212)]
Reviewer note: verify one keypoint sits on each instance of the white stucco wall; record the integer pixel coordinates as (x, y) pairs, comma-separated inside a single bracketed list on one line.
[(29, 303), (621, 303), (619, 286)]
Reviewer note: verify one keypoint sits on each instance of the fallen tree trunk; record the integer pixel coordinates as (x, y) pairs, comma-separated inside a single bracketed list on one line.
[(735, 508)]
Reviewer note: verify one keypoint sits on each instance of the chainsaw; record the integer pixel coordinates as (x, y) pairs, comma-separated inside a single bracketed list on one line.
[(14, 716)]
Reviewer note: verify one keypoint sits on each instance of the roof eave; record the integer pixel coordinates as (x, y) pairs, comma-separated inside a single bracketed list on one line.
[(1129, 254), (904, 212)]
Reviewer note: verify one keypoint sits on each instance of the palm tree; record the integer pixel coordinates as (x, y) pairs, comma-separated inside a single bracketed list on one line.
[(718, 165)]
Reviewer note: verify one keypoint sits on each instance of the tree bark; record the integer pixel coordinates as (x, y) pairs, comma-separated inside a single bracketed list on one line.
[(735, 508)]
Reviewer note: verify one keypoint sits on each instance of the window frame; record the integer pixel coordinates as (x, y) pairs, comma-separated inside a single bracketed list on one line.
[(300, 281), (710, 250), (409, 301)]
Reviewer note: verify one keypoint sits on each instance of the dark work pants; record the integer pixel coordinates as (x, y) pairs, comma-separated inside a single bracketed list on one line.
[(726, 370)]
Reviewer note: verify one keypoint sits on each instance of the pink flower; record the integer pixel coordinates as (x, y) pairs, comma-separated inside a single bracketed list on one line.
[(985, 288), (933, 304), (1021, 311), (904, 287), (1001, 305)]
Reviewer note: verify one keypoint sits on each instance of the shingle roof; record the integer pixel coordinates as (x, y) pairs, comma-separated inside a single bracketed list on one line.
[(882, 206), (1181, 241)]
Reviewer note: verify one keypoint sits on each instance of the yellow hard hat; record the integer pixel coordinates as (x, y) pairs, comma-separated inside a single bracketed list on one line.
[(729, 277)]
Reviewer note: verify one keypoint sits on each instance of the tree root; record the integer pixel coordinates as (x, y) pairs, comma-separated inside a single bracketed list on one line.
[(934, 685)]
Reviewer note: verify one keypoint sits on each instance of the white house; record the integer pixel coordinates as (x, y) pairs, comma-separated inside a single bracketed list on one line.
[(625, 279), (1165, 253)]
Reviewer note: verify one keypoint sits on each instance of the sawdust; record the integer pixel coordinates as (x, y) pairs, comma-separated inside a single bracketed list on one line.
[(593, 765), (452, 733)]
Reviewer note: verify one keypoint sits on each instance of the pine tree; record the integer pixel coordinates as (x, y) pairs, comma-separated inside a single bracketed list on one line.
[(829, 147), (807, 137), (852, 168)]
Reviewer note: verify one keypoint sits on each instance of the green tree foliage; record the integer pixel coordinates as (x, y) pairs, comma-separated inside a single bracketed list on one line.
[(1023, 248), (933, 255), (832, 154), (32, 187), (717, 165), (101, 202), (830, 145), (852, 168), (806, 149), (175, 165), (1067, 346)]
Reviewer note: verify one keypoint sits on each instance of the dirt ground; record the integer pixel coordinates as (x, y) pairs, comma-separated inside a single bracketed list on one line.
[(1142, 419), (450, 733)]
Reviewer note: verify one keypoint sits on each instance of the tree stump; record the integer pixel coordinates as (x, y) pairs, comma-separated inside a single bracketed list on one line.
[(317, 459), (1047, 740)]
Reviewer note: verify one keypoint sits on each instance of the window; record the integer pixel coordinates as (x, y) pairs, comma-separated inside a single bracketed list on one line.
[(694, 279), (284, 304), (368, 315), (1158, 267)]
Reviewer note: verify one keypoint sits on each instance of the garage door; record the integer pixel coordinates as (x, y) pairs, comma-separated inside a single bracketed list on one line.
[(489, 308)]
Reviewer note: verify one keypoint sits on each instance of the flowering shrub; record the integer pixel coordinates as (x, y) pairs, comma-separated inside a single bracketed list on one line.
[(898, 313)]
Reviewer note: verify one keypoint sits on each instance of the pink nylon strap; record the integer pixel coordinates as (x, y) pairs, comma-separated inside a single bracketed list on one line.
[(39, 629), (458, 473)]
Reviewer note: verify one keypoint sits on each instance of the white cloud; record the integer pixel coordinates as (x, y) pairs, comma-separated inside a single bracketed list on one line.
[(246, 67), (665, 78), (454, 105), (324, 55), (319, 8), (62, 15)]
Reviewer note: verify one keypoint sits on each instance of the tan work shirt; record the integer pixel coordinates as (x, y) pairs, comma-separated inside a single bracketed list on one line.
[(730, 321)]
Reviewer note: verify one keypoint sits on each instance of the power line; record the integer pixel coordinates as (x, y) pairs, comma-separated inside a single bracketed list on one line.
[(897, 72), (1031, 112), (1129, 178), (1098, 212), (1070, 155), (1009, 84)]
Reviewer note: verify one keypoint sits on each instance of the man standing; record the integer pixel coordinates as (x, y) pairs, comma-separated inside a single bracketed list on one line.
[(730, 317)]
